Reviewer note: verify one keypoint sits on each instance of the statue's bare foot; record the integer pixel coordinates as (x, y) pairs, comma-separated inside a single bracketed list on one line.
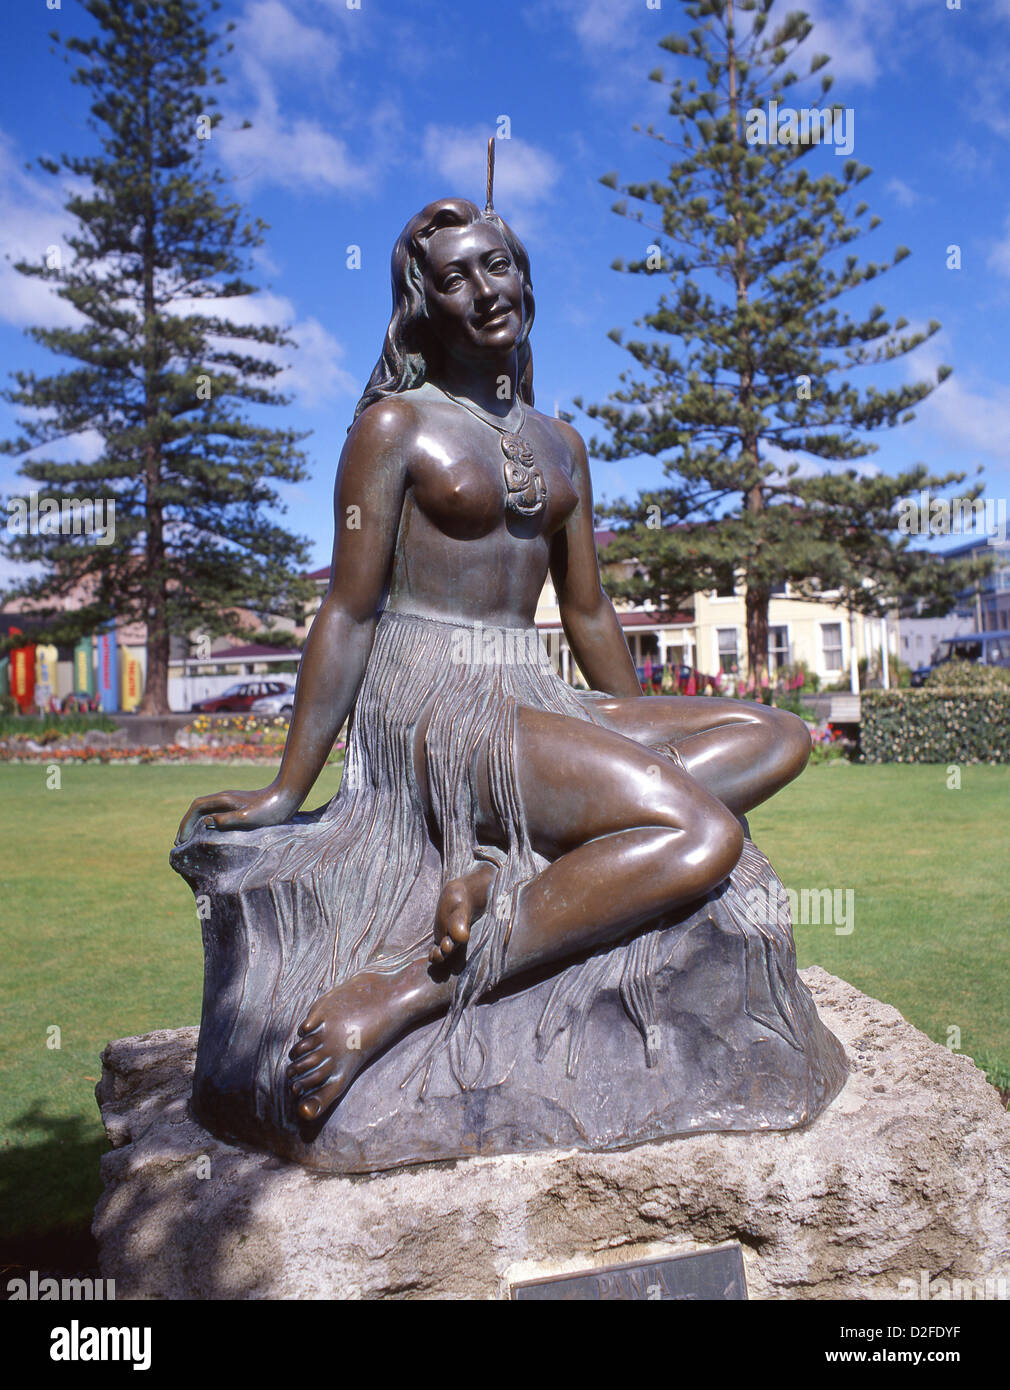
[(342, 1031), (461, 900)]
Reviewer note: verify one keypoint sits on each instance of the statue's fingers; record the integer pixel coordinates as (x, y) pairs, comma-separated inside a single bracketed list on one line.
[(219, 801), (192, 816)]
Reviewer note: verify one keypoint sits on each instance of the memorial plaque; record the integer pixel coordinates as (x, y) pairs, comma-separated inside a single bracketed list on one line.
[(707, 1275)]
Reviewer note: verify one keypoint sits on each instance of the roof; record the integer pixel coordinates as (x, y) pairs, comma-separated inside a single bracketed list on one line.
[(253, 652), (638, 618), (603, 539)]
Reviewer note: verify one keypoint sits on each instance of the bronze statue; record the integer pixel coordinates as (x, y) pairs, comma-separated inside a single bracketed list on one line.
[(554, 824)]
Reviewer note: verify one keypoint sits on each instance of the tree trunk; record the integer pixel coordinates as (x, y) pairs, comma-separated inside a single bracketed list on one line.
[(155, 699), (754, 499), (757, 640)]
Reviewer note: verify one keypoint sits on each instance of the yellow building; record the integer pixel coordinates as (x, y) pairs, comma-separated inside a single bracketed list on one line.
[(710, 635)]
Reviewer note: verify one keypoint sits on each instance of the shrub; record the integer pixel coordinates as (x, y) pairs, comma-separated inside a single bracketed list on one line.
[(795, 705), (936, 724), (37, 725), (967, 675)]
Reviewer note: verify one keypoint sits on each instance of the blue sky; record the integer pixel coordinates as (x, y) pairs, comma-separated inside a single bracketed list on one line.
[(361, 116)]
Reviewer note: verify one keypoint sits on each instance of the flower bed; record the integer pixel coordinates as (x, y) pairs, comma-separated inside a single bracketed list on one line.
[(237, 728), (170, 753), (242, 740)]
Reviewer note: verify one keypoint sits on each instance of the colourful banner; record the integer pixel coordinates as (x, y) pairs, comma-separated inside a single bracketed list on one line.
[(108, 672), (84, 667), (23, 677), (46, 657), (133, 679)]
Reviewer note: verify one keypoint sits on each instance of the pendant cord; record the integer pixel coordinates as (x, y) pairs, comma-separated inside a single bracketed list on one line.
[(502, 429)]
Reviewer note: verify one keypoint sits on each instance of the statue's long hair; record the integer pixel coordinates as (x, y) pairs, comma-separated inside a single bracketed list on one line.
[(411, 349)]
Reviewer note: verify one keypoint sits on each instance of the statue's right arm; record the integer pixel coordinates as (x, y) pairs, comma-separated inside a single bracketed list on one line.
[(368, 499)]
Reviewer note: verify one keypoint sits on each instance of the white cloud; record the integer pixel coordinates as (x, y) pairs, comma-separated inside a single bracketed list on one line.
[(288, 151), (280, 147), (808, 466), (618, 39), (32, 220), (313, 370), (85, 447), (966, 418), (524, 174), (903, 195), (999, 256), (315, 375), (269, 33), (850, 35)]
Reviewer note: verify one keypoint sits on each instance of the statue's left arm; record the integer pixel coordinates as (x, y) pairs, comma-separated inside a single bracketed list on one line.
[(587, 615)]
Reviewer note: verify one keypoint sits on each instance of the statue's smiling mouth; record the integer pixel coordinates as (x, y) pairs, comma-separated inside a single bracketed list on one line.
[(493, 320)]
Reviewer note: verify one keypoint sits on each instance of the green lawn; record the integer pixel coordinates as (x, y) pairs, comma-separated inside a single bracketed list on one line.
[(101, 939), (930, 875)]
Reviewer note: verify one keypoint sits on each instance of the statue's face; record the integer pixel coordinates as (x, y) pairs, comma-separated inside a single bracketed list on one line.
[(473, 292)]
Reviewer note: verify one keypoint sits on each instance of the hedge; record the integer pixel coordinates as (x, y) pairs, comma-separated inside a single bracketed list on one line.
[(935, 725)]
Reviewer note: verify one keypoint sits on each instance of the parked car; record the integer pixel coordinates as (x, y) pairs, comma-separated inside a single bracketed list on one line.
[(281, 702), (985, 648), (241, 697)]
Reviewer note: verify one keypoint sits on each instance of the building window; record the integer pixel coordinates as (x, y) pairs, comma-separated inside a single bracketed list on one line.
[(780, 590), (831, 641), (728, 655), (778, 647), (725, 582)]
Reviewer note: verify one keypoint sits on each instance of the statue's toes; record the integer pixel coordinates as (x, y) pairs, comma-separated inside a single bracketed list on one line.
[(305, 1065), (310, 1076), (459, 928), (313, 1105)]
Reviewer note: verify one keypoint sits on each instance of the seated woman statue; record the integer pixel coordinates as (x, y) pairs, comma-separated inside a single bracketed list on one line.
[(552, 823)]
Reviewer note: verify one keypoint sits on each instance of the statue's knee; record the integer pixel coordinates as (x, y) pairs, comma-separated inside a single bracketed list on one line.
[(786, 737), (793, 739), (723, 842), (710, 843)]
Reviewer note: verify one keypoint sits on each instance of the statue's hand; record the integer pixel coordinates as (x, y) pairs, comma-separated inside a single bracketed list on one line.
[(238, 811)]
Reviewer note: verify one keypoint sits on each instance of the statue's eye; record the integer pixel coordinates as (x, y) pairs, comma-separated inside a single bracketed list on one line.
[(500, 264), (451, 282)]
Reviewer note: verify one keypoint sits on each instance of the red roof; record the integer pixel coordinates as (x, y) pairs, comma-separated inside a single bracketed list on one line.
[(638, 619), (255, 652)]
